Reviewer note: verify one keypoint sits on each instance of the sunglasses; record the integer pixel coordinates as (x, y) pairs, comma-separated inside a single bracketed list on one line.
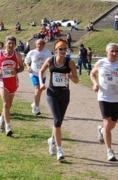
[(62, 49)]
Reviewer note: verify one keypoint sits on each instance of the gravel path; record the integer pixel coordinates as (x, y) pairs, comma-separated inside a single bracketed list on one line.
[(81, 121)]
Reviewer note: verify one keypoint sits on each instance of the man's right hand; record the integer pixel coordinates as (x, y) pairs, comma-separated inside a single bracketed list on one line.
[(96, 87)]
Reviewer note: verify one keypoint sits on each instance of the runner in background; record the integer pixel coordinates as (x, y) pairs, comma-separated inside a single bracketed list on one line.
[(10, 65), (58, 93), (34, 61), (107, 88)]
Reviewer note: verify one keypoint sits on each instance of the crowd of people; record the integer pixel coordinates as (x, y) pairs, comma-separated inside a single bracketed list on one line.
[(49, 32)]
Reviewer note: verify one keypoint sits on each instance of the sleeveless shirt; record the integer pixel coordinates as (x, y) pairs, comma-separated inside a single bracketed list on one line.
[(6, 64), (57, 73), (108, 80)]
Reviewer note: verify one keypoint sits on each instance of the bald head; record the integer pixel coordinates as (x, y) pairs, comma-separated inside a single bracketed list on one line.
[(39, 44)]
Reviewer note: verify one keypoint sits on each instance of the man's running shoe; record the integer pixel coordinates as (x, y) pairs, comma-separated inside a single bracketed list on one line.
[(100, 135), (9, 131), (60, 155), (2, 124), (52, 147), (110, 155), (36, 111)]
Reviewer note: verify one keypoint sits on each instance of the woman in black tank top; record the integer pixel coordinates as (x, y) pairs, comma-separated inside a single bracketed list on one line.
[(58, 93)]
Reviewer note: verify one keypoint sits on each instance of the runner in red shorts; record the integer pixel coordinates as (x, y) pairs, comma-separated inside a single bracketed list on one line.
[(10, 64)]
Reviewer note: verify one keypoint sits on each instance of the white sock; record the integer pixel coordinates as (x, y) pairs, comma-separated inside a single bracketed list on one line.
[(102, 130), (52, 139), (1, 119), (59, 148), (7, 125), (108, 150)]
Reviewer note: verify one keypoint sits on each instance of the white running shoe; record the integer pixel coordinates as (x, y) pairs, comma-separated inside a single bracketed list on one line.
[(36, 111), (60, 155), (8, 131), (33, 105), (2, 124), (110, 155), (52, 147), (100, 135)]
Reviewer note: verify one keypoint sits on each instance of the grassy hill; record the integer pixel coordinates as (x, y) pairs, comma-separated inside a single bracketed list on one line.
[(34, 10)]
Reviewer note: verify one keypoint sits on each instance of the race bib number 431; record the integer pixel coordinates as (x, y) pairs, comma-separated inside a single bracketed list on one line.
[(60, 80)]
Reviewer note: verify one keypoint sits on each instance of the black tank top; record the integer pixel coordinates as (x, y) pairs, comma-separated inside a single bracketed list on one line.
[(58, 69)]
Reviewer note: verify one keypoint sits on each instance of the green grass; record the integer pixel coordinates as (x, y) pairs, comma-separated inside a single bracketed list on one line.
[(25, 156), (98, 40)]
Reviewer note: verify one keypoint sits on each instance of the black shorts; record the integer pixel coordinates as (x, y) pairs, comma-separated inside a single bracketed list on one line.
[(109, 109)]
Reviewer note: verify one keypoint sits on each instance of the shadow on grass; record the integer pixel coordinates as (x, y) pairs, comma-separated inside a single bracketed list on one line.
[(26, 117)]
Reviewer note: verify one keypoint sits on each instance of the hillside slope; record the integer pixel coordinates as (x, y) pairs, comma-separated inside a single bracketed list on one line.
[(34, 10)]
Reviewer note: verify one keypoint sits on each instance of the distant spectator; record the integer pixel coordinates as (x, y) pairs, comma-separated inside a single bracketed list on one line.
[(56, 31), (69, 39), (49, 36), (82, 59), (116, 22), (43, 32), (75, 26), (90, 26), (89, 57), (18, 27), (53, 26), (20, 46), (33, 23), (1, 25), (1, 45), (27, 48)]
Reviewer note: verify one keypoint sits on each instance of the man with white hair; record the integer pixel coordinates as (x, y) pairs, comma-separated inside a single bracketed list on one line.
[(107, 88)]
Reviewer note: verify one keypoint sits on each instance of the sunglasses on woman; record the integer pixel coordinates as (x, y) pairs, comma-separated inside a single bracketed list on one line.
[(62, 49)]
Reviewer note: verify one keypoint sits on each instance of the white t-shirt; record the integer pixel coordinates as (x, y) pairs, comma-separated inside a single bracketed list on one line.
[(116, 17), (37, 59), (108, 80)]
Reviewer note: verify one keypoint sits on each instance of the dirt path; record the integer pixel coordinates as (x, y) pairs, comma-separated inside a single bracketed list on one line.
[(81, 121)]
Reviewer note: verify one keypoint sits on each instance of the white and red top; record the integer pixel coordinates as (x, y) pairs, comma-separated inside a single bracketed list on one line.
[(7, 63)]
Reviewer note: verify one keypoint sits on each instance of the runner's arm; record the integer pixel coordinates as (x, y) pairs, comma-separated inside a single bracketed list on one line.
[(21, 65), (73, 76), (28, 62), (93, 76), (41, 72)]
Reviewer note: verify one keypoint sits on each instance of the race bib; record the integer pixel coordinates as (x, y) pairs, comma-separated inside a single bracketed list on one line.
[(60, 80), (39, 65), (6, 72), (111, 79)]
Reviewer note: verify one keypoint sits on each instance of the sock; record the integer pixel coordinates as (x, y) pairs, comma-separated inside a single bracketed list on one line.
[(59, 148), (52, 139), (108, 150), (1, 119), (102, 130), (7, 125)]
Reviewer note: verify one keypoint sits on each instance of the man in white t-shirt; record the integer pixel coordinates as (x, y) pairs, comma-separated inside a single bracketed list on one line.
[(34, 61), (107, 88)]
